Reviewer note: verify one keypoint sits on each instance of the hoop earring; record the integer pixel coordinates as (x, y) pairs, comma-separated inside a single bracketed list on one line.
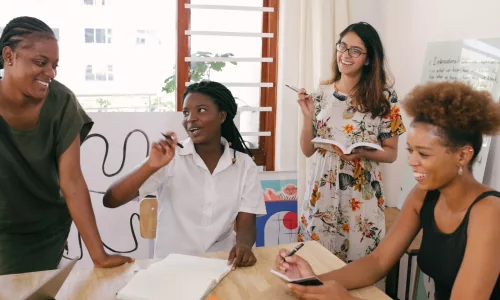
[(460, 170)]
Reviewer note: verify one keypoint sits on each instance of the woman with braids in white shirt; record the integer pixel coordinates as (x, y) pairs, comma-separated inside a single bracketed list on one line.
[(204, 187)]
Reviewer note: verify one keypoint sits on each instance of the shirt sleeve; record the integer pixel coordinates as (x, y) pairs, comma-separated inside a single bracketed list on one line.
[(253, 196), (155, 181), (73, 121), (392, 124), (317, 97)]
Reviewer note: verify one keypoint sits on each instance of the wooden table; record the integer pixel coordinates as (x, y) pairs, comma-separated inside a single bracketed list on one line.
[(242, 284), (392, 280)]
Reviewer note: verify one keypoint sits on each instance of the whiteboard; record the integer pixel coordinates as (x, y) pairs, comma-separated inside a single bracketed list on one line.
[(474, 61)]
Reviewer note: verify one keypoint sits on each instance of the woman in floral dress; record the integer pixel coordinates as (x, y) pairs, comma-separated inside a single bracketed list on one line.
[(343, 208)]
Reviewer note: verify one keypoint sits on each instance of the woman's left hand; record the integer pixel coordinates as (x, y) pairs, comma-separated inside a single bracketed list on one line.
[(241, 256), (331, 290)]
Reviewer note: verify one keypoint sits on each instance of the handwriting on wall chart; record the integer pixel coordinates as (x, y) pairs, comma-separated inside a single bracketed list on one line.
[(480, 74)]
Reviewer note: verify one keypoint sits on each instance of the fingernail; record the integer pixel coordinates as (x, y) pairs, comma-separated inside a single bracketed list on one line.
[(289, 286)]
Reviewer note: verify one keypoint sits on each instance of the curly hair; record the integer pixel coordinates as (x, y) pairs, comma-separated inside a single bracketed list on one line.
[(461, 114)]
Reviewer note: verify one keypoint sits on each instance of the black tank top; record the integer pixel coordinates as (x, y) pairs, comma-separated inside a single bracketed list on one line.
[(441, 254)]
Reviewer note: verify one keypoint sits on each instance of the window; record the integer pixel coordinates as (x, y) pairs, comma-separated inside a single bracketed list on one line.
[(95, 2), (147, 37), (242, 57), (98, 35), (99, 73), (135, 79)]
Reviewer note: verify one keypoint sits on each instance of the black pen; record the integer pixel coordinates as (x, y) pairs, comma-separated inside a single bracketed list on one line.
[(170, 138), (293, 251)]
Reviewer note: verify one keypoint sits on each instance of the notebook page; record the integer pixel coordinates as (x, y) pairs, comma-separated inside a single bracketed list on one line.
[(207, 267), (176, 276), (146, 286)]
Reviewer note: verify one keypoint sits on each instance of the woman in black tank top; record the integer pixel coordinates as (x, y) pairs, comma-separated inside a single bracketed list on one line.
[(460, 217)]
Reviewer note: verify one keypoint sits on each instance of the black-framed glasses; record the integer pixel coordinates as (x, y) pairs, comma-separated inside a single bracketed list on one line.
[(353, 52)]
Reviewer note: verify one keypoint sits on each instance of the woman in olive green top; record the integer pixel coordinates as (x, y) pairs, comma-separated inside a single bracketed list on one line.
[(42, 189)]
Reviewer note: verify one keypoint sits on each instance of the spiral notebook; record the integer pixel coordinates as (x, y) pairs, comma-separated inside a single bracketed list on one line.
[(176, 277)]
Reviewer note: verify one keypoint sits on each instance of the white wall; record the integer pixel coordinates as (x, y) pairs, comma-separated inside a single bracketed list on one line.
[(405, 26)]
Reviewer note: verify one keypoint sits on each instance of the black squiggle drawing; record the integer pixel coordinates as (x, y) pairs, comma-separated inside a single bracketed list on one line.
[(124, 157)]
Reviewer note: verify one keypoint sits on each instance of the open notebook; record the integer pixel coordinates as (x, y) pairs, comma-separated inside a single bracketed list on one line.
[(176, 277)]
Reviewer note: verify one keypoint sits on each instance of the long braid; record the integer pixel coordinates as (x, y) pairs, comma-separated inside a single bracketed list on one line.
[(224, 99), (18, 29)]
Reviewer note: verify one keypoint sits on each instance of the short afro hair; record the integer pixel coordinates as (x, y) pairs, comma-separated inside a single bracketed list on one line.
[(461, 114)]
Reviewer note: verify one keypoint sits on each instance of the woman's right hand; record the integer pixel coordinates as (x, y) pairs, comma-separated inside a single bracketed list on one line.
[(162, 152), (294, 266), (306, 103)]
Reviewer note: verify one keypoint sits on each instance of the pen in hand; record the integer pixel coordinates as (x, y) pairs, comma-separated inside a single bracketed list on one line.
[(294, 88), (293, 251), (170, 138)]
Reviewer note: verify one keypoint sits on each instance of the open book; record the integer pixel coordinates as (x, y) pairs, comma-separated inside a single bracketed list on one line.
[(346, 149), (176, 277), (312, 280)]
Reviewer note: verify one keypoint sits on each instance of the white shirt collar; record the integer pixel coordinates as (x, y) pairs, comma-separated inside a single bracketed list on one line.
[(225, 161)]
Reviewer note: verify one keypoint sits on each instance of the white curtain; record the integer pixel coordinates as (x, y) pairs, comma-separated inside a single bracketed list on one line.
[(321, 22)]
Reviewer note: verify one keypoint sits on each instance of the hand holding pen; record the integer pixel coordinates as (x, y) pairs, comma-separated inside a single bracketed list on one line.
[(163, 151), (305, 101), (293, 251), (168, 137), (292, 265)]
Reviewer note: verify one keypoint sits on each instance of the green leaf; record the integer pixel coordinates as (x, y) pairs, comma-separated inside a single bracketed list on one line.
[(198, 70), (202, 54), (217, 66)]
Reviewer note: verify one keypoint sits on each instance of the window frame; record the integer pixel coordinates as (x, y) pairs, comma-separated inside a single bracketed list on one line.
[(108, 73), (106, 35), (265, 154), (95, 2)]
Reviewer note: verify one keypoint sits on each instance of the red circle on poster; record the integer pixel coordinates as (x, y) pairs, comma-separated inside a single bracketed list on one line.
[(290, 220)]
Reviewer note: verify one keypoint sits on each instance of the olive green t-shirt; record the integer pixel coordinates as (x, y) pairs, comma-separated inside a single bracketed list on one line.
[(34, 219)]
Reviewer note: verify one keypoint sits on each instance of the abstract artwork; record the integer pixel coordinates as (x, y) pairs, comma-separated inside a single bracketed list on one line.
[(279, 225)]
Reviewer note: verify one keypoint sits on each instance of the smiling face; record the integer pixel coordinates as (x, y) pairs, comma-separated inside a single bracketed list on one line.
[(202, 118), (434, 164), (349, 65), (32, 65)]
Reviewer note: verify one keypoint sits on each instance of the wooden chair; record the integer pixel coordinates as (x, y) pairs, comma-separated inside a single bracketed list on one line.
[(392, 280), (148, 213)]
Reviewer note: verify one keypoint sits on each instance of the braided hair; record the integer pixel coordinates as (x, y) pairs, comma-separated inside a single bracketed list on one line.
[(225, 101), (18, 29)]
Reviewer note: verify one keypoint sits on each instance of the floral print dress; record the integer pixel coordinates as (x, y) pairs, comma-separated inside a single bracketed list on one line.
[(343, 208)]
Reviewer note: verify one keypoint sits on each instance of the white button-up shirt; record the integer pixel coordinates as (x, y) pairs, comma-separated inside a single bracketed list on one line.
[(196, 209)]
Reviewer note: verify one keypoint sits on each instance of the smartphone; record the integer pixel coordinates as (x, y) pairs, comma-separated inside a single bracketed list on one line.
[(306, 281), (293, 88)]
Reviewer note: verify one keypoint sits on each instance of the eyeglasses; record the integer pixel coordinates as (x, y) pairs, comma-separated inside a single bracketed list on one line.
[(353, 52)]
